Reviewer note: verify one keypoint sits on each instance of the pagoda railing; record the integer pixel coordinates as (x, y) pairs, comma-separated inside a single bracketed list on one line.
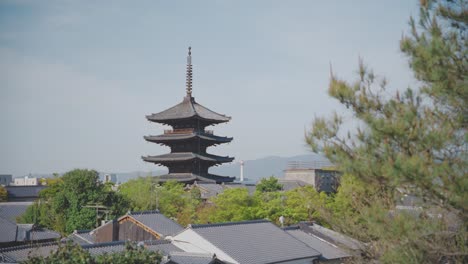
[(179, 131), (185, 131)]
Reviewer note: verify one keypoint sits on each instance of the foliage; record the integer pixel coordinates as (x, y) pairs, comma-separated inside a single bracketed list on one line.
[(3, 194), (413, 142), (63, 205), (72, 253), (269, 185), (170, 198), (237, 205)]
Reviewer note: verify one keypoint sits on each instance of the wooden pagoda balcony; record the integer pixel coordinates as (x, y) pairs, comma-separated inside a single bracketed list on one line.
[(184, 131)]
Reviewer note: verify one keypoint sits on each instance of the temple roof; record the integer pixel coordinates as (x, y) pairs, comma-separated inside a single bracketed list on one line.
[(177, 137), (192, 177), (188, 109), (184, 156)]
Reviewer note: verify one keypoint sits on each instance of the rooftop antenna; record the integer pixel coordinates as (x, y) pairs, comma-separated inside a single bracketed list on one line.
[(189, 73)]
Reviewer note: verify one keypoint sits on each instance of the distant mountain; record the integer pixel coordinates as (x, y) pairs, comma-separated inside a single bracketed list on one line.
[(266, 167), (253, 169)]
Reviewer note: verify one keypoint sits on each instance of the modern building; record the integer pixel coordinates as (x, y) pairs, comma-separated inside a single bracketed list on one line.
[(6, 179), (188, 139), (316, 174), (26, 181)]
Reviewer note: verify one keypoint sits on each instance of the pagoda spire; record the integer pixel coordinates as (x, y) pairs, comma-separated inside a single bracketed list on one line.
[(189, 73)]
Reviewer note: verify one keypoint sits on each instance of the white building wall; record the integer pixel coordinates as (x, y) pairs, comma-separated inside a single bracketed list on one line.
[(189, 241), (305, 175), (26, 181)]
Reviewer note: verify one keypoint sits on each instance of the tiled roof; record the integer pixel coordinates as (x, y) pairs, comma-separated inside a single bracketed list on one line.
[(157, 222), (162, 246), (334, 237), (12, 232), (21, 192), (329, 251), (21, 253), (189, 258), (179, 156), (256, 241), (11, 210), (8, 231), (191, 177), (292, 184), (176, 137), (81, 237), (187, 109)]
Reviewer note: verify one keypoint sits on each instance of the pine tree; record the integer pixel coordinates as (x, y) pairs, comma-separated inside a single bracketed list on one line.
[(413, 142)]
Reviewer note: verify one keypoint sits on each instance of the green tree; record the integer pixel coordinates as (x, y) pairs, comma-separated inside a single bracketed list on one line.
[(414, 141), (72, 253), (269, 185), (3, 194), (170, 198), (232, 205), (63, 206)]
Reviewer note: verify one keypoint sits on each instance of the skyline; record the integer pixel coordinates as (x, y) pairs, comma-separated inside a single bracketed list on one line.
[(78, 79)]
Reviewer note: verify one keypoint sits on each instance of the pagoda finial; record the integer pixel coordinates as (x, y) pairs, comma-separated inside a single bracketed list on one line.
[(189, 73)]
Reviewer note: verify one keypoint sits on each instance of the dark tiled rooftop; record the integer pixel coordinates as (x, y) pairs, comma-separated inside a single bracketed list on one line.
[(11, 210), (329, 251), (157, 222), (187, 109), (190, 258), (256, 241), (170, 137), (24, 192), (182, 156)]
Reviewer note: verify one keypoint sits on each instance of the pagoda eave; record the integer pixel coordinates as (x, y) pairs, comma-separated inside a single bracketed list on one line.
[(170, 138)]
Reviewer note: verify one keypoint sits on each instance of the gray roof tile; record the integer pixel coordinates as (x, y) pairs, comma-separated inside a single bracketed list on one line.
[(163, 246), (157, 222), (187, 109), (257, 241), (11, 210), (81, 237), (8, 231), (24, 192), (190, 258), (21, 253), (328, 250)]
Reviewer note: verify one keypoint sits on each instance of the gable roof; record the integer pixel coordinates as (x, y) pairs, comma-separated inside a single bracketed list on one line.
[(328, 250), (81, 237), (257, 241), (188, 108), (155, 221)]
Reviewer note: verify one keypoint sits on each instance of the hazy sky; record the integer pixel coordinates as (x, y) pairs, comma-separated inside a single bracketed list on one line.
[(78, 77)]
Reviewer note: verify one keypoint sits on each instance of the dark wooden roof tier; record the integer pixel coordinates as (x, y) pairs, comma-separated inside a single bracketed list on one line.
[(192, 177), (187, 156), (168, 138), (188, 109)]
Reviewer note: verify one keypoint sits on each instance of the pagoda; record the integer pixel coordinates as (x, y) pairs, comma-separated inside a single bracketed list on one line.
[(188, 139)]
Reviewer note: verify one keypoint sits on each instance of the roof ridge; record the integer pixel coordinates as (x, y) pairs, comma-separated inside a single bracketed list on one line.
[(144, 212), (122, 242), (257, 221), (33, 245)]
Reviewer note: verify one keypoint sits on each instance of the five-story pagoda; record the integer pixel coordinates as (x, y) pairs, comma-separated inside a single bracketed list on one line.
[(188, 139)]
